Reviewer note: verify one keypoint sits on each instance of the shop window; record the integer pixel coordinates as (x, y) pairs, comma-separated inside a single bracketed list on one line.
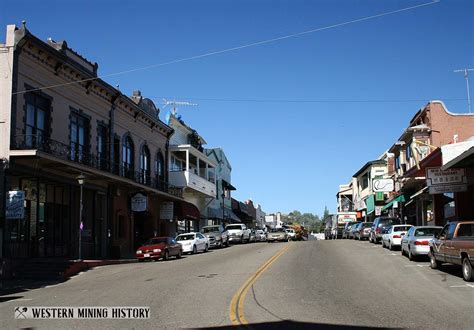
[(449, 205)]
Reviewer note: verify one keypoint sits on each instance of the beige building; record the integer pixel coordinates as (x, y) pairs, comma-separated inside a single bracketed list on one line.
[(58, 121)]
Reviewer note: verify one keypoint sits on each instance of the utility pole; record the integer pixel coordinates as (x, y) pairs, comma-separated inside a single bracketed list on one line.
[(466, 76)]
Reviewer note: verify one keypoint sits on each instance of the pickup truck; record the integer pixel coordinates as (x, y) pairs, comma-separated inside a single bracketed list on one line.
[(217, 235), (454, 245), (238, 232)]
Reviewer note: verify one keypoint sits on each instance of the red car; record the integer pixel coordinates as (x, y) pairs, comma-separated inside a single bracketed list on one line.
[(159, 247)]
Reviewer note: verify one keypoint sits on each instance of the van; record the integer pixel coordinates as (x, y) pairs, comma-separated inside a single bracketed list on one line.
[(380, 223)]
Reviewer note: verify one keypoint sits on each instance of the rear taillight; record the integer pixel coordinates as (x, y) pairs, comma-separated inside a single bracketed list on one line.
[(422, 242), (397, 236)]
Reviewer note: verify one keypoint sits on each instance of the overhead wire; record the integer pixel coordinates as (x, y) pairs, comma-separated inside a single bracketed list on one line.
[(227, 50)]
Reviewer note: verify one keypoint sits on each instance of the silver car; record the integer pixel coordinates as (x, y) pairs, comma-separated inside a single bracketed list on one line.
[(417, 240)]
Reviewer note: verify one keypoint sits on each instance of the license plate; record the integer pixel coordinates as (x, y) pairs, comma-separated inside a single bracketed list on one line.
[(146, 255)]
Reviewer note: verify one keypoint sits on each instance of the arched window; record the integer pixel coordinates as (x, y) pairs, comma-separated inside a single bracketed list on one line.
[(128, 155), (160, 166), (144, 165)]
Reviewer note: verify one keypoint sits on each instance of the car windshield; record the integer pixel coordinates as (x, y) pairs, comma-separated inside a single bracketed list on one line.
[(401, 228), (209, 229), (230, 227), (153, 241), (427, 232), (185, 237), (388, 221), (277, 230), (367, 224)]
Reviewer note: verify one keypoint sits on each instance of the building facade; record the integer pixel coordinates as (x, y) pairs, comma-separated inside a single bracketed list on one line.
[(68, 136)]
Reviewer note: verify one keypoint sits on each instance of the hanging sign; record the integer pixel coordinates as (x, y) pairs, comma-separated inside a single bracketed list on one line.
[(452, 180), (383, 185), (15, 208), (166, 210), (139, 202)]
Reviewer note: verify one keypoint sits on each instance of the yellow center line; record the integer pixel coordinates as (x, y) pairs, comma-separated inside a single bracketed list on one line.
[(236, 311)]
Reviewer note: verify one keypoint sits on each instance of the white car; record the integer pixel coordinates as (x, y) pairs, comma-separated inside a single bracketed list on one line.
[(193, 242), (417, 241), (260, 236), (393, 235), (291, 234)]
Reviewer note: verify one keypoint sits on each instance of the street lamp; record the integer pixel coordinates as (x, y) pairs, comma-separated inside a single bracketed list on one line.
[(80, 179)]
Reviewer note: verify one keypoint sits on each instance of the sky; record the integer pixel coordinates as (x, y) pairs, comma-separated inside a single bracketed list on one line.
[(365, 80)]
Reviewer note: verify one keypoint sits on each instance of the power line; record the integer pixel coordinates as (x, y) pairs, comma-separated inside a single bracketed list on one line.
[(308, 101), (227, 50)]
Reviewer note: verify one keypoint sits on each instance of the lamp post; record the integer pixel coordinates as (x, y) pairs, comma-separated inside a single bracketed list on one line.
[(80, 179)]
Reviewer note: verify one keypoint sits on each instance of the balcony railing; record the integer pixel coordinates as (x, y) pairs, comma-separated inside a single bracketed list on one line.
[(99, 162)]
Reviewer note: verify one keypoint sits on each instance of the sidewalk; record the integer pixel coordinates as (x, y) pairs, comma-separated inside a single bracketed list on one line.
[(82, 265)]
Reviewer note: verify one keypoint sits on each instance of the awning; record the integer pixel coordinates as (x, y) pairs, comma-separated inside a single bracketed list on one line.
[(419, 192), (227, 185), (463, 160), (398, 199), (186, 211), (370, 202)]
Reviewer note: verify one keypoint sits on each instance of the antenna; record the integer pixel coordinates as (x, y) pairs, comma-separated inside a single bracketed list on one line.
[(176, 103), (466, 76)]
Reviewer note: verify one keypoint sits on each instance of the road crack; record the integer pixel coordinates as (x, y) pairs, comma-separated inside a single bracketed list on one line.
[(262, 307)]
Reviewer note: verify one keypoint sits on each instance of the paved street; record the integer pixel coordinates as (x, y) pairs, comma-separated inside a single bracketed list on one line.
[(316, 282)]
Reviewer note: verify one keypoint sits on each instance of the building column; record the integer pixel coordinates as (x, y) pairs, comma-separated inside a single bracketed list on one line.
[(187, 160)]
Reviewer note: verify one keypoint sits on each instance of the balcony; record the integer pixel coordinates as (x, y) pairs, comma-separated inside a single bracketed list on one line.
[(187, 179), (28, 145)]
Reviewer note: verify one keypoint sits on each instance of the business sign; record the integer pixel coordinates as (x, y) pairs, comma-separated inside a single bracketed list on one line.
[(139, 202), (166, 210), (15, 208), (347, 217), (378, 211), (452, 180), (383, 185)]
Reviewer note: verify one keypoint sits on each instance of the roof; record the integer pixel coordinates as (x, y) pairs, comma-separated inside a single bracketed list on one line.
[(369, 164), (466, 159)]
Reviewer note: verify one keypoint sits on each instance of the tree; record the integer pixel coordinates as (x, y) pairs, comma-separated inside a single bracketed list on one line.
[(326, 212)]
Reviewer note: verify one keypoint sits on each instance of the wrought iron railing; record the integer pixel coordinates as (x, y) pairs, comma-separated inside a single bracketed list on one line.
[(84, 157)]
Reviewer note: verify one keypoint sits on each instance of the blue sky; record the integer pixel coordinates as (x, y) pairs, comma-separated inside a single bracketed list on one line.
[(285, 155)]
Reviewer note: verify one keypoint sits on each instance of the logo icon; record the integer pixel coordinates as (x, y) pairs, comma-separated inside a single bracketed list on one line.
[(20, 312)]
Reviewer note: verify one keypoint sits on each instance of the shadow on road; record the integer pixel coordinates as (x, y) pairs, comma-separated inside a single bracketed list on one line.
[(9, 287), (296, 325)]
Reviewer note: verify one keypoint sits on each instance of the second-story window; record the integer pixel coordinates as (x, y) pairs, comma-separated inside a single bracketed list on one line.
[(102, 150), (37, 110), (160, 167), (144, 165), (128, 155), (79, 132)]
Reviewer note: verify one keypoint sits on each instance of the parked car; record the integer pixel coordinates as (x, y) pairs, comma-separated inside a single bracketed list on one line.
[(393, 236), (193, 242), (159, 247), (353, 229), (347, 228), (291, 234), (454, 245), (217, 235), (363, 231), (417, 240), (238, 233), (260, 236), (277, 234), (379, 224)]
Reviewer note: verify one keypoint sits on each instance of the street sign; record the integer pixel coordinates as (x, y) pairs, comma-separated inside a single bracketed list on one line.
[(15, 208), (383, 185)]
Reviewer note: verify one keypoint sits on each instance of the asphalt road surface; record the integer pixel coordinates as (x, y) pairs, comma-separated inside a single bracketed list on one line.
[(330, 284)]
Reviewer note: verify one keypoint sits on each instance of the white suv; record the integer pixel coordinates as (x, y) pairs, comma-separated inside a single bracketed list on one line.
[(291, 234)]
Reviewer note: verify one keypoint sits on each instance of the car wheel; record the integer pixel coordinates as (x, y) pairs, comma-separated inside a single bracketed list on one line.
[(433, 262), (467, 273), (166, 256), (390, 247), (195, 250), (178, 256), (411, 256), (206, 248)]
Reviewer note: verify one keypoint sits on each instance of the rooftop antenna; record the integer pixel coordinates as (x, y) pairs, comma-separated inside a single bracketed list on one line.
[(175, 103), (466, 76)]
